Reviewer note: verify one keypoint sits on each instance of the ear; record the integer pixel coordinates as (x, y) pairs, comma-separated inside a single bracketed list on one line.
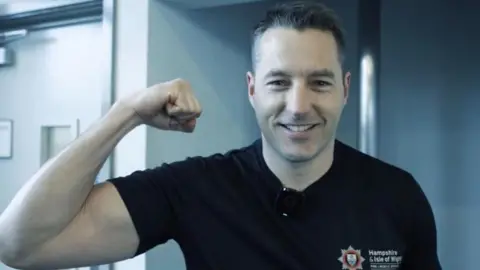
[(251, 86), (346, 86)]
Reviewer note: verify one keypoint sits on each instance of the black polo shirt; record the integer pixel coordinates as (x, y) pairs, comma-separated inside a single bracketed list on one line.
[(223, 211)]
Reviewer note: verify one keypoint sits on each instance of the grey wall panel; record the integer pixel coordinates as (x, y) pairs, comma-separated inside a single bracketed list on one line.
[(429, 113)]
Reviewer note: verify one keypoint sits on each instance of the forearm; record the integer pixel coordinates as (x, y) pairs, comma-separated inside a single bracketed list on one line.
[(56, 193)]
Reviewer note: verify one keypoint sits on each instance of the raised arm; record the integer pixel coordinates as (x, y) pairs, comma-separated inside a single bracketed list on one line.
[(59, 219)]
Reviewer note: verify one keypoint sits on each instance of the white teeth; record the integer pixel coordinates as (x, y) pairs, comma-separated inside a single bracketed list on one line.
[(298, 128)]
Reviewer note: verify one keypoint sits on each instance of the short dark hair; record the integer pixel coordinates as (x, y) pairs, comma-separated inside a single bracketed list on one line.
[(301, 15)]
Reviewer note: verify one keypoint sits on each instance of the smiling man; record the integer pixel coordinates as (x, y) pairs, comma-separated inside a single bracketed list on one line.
[(295, 199), (298, 91)]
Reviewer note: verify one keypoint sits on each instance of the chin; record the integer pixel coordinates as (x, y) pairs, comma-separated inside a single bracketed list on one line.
[(298, 158), (299, 153)]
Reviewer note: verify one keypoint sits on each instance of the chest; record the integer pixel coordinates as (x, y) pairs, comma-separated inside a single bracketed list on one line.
[(243, 231)]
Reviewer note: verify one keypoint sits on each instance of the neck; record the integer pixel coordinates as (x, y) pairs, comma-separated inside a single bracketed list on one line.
[(298, 175)]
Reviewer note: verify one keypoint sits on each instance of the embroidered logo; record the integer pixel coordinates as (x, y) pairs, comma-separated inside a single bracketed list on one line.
[(351, 259)]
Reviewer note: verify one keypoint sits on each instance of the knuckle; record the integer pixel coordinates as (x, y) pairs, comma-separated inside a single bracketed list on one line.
[(178, 80), (181, 83)]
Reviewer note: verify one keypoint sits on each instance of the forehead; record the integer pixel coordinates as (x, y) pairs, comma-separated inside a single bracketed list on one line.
[(291, 49)]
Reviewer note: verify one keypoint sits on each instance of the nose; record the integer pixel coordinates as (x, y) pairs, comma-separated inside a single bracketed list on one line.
[(298, 100)]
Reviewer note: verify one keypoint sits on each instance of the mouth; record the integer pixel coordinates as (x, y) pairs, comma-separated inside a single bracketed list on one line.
[(298, 127)]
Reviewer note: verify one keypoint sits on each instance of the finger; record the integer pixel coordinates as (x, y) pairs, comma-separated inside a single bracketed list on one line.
[(169, 123), (178, 89), (160, 121), (185, 108), (177, 104), (195, 105), (172, 108), (192, 104), (181, 114), (187, 126), (183, 126)]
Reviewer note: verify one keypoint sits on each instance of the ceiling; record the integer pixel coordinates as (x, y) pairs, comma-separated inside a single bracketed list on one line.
[(208, 3), (16, 6)]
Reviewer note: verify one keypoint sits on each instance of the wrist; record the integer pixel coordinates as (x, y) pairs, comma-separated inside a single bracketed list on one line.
[(124, 115)]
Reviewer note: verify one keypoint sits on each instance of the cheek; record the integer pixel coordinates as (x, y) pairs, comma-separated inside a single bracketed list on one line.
[(265, 100), (330, 106), (335, 112), (268, 106)]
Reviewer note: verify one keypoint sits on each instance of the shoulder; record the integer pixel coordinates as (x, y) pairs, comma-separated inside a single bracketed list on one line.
[(181, 174), (217, 163), (376, 172), (385, 184)]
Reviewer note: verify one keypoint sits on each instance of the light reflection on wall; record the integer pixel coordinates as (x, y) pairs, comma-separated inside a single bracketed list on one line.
[(367, 133)]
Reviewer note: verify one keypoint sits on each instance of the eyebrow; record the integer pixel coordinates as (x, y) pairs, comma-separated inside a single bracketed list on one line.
[(310, 73)]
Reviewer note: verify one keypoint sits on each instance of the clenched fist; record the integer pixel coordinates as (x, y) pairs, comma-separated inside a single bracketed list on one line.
[(169, 106)]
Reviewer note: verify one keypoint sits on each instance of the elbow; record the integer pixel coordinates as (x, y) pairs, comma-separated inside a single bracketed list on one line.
[(14, 258), (10, 251), (12, 264), (15, 262), (11, 260)]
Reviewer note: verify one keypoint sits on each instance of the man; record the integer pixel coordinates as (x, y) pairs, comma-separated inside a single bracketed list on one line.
[(294, 199)]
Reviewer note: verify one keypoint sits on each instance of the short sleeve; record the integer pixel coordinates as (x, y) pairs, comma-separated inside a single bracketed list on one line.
[(149, 197), (422, 248)]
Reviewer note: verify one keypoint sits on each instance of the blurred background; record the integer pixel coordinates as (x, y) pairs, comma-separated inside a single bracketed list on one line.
[(415, 98)]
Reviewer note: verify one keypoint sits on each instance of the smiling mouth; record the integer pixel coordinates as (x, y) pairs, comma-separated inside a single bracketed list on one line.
[(298, 128)]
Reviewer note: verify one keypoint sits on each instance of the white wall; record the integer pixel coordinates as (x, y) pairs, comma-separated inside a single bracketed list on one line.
[(56, 77), (59, 73), (130, 67)]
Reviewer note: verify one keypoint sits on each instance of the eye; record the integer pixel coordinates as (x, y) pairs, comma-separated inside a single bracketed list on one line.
[(321, 83), (279, 83)]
